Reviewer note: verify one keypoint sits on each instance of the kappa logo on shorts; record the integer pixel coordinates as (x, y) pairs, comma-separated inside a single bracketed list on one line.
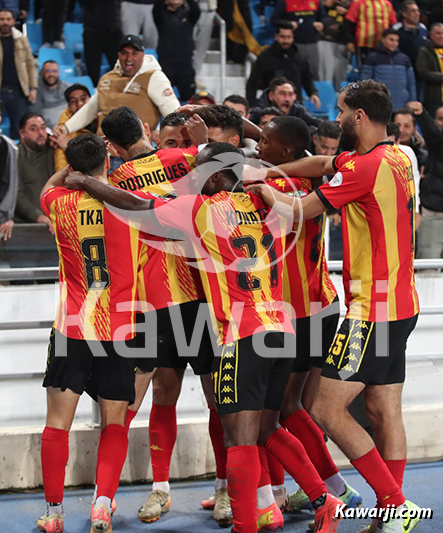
[(227, 393)]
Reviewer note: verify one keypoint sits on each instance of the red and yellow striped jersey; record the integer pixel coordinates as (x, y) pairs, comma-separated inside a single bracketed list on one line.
[(372, 17), (164, 278), (377, 193), (306, 277), (239, 249), (98, 262)]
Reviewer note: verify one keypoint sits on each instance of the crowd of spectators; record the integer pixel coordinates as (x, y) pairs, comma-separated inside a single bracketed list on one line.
[(315, 41)]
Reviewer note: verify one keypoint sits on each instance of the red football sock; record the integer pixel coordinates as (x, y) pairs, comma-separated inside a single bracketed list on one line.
[(372, 467), (130, 415), (217, 434), (162, 437), (54, 454), (111, 457), (397, 469), (265, 478), (276, 470), (301, 425), (243, 471), (292, 455)]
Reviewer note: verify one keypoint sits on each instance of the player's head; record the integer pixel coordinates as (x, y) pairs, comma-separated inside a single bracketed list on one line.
[(327, 138), (393, 132), (33, 131), (283, 139), (267, 114), (124, 129), (172, 133), (239, 103), (224, 124), (219, 167), (405, 120), (87, 154), (362, 106), (282, 94)]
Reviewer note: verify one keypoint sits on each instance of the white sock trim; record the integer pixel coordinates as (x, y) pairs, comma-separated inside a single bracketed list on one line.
[(265, 497), (161, 485), (336, 485), (220, 483), (103, 500)]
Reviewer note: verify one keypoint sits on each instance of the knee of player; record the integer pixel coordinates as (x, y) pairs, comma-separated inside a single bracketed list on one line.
[(381, 414), (322, 416), (163, 395)]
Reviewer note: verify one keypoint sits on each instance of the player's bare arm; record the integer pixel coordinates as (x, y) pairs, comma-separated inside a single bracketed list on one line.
[(308, 167), (106, 193), (56, 180), (288, 206)]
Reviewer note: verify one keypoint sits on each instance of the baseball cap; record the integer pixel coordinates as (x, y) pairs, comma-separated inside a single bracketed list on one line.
[(76, 87), (202, 94), (133, 40)]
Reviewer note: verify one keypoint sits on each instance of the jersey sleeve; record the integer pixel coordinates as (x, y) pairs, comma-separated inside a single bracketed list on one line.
[(177, 213), (349, 184), (50, 196), (353, 12), (286, 185)]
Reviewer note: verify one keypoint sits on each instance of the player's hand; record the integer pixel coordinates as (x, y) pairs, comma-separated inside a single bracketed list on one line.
[(60, 138), (32, 95), (263, 191), (75, 181), (318, 26), (197, 130), (252, 174), (416, 107), (43, 219), (6, 229), (316, 100), (351, 47), (189, 109)]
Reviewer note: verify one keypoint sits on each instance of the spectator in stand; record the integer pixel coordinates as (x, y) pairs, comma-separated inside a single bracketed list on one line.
[(137, 19), (393, 132), (239, 103), (409, 136), (364, 24), (281, 94), (54, 18), (8, 184), (136, 81), (101, 34), (264, 116), (393, 68), (305, 17), (430, 232), (282, 58), (439, 118), (18, 8), (50, 101), (333, 56), (430, 69), (175, 23), (18, 78), (413, 34), (35, 167), (203, 98), (77, 96)]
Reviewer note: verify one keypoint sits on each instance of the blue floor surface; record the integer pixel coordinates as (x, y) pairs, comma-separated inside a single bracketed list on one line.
[(423, 485)]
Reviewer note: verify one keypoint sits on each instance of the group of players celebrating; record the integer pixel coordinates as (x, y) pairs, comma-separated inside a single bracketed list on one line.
[(151, 260)]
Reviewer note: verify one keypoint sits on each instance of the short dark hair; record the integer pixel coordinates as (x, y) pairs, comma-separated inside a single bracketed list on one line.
[(393, 129), (284, 25), (237, 99), (4, 10), (404, 6), (293, 131), (223, 117), (328, 129), (86, 153), (123, 127), (211, 150), (271, 110), (174, 119), (371, 96), (28, 116), (49, 61), (390, 31), (276, 82), (405, 111)]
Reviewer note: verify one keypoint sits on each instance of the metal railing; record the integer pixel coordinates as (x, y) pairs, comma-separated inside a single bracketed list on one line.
[(222, 25)]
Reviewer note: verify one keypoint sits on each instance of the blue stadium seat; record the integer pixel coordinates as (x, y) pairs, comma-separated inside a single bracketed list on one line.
[(343, 84), (73, 33), (151, 52), (84, 80), (64, 58), (35, 36), (328, 98)]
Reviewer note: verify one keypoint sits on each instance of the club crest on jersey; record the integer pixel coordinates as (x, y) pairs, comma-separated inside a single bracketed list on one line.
[(105, 85), (336, 180), (350, 165), (134, 88)]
